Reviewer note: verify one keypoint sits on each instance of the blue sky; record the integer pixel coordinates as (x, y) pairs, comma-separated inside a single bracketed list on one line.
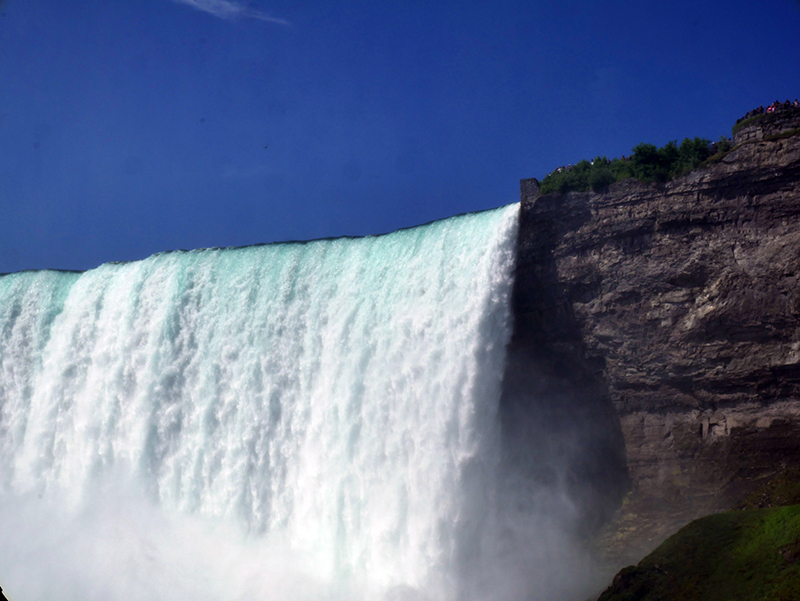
[(129, 127)]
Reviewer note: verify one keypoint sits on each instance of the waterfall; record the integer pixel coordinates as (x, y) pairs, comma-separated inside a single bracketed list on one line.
[(288, 421)]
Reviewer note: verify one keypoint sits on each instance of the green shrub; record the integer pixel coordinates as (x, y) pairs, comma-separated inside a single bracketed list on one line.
[(724, 145), (691, 153), (601, 178), (622, 169), (648, 163)]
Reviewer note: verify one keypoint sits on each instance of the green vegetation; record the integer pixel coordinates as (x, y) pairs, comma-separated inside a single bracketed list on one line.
[(742, 555), (785, 134), (725, 149), (746, 122), (647, 163), (650, 163)]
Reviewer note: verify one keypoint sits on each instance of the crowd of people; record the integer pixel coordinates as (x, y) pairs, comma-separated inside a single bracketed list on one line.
[(772, 108)]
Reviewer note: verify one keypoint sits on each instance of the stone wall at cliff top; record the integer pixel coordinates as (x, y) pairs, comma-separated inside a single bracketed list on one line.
[(669, 315)]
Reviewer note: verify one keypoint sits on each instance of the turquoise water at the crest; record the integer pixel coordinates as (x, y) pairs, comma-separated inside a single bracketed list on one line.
[(309, 420)]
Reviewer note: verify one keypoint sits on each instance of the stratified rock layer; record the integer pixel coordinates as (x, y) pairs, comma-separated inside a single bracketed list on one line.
[(669, 314)]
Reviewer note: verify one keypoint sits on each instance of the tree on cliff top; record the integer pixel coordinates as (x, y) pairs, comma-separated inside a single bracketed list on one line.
[(648, 163)]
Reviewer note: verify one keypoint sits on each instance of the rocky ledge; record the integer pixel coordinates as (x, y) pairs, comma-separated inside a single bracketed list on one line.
[(659, 324)]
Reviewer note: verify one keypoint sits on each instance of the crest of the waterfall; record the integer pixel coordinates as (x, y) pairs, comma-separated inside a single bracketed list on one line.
[(336, 399)]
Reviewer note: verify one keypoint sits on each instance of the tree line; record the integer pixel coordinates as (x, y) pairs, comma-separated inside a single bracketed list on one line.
[(647, 163)]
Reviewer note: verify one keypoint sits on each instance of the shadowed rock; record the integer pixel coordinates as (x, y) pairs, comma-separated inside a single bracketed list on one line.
[(668, 314)]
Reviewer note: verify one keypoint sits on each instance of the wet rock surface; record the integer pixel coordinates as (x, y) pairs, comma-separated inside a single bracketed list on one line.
[(667, 316)]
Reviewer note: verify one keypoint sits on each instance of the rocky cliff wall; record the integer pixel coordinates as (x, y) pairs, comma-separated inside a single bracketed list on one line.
[(767, 125), (659, 325)]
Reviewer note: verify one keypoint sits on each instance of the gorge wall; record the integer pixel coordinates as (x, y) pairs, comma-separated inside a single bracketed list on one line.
[(661, 323)]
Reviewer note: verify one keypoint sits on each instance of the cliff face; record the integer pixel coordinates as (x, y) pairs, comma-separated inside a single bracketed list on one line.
[(669, 316)]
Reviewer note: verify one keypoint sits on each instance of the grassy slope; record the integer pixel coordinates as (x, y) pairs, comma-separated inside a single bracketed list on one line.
[(742, 555)]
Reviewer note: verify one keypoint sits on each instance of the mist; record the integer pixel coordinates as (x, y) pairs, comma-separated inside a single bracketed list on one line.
[(116, 544), (330, 420)]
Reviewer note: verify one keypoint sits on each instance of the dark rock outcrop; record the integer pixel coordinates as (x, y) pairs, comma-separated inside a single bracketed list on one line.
[(660, 325)]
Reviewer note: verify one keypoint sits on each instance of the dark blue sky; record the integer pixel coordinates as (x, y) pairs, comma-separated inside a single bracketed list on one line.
[(129, 127)]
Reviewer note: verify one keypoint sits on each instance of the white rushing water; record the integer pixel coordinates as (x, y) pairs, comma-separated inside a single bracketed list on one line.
[(291, 421)]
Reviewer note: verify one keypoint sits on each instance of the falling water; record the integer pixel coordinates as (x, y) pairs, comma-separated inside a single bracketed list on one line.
[(292, 421)]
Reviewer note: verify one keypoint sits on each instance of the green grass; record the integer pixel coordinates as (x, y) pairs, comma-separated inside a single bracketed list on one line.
[(786, 134), (717, 157), (743, 555), (747, 122)]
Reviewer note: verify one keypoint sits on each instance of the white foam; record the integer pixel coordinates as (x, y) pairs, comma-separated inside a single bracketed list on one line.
[(298, 421)]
